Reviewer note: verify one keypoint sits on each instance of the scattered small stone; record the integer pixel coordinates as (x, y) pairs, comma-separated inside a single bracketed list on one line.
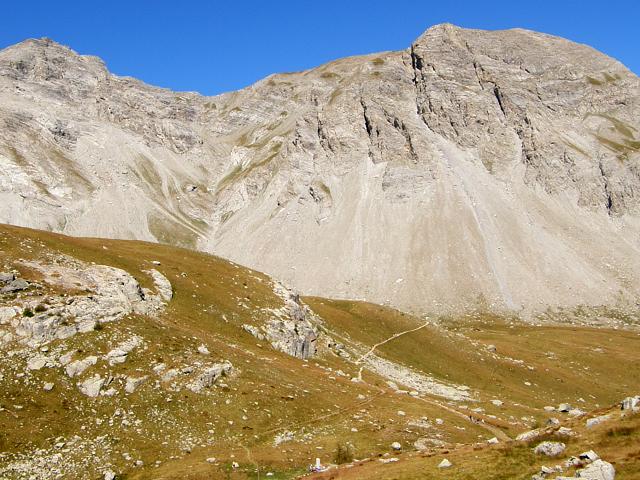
[(396, 446), (445, 464)]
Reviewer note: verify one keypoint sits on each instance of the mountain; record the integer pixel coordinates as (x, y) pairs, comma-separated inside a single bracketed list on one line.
[(475, 171), (148, 361)]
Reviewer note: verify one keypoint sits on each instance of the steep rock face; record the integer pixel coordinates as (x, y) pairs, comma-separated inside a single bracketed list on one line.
[(475, 169)]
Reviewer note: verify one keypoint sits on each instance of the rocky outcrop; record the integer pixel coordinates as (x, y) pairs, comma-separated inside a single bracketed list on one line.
[(292, 328), (473, 170), (209, 375), (114, 294)]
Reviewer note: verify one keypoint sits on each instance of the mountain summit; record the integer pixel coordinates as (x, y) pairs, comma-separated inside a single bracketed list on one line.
[(476, 169)]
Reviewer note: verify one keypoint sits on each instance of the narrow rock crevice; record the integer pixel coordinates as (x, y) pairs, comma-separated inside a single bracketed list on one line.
[(499, 98), (607, 191), (373, 132), (477, 68), (322, 135)]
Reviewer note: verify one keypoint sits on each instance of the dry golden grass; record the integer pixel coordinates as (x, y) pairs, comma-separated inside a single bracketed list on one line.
[(307, 397)]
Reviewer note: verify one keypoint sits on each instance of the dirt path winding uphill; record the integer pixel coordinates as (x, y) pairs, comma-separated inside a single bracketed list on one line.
[(392, 337)]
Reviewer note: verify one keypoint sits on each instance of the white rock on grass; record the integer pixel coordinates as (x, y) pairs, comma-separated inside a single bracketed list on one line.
[(120, 353), (202, 349), (79, 366), (47, 387), (598, 470), (65, 359), (38, 362), (91, 387), (589, 455), (550, 449), (445, 464), (162, 284), (529, 435), (631, 403), (592, 422), (133, 383), (209, 376), (396, 446), (112, 392), (565, 432)]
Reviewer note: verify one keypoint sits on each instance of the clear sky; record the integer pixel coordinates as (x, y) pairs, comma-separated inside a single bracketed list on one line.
[(216, 46)]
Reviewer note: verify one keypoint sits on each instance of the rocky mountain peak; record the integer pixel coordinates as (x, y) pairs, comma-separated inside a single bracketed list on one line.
[(476, 169), (44, 60)]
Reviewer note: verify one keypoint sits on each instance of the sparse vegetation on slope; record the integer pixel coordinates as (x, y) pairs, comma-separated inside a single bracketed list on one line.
[(272, 412)]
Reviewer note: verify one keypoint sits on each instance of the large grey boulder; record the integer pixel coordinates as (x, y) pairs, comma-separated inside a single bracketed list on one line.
[(550, 449), (92, 385), (598, 470)]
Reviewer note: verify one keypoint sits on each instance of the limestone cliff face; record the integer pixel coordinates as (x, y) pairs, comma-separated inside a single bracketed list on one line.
[(492, 169)]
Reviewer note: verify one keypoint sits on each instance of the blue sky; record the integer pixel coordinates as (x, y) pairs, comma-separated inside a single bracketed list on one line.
[(214, 46)]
